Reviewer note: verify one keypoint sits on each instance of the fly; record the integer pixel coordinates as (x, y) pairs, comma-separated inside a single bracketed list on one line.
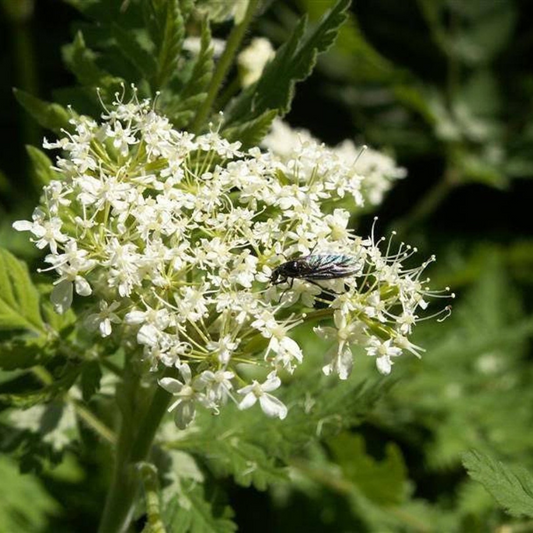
[(315, 267)]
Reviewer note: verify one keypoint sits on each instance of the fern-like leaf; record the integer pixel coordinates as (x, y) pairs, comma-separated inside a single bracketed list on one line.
[(194, 91), (512, 488)]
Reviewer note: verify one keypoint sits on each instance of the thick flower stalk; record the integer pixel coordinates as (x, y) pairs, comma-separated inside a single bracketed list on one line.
[(175, 238)]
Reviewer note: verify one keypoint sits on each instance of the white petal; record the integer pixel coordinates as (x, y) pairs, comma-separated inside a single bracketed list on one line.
[(93, 321), (105, 327), (82, 287), (327, 369), (61, 296), (147, 335), (23, 225), (185, 372), (246, 390), (384, 364), (171, 385), (345, 364), (135, 317), (248, 401), (292, 348), (184, 414), (273, 407), (272, 383)]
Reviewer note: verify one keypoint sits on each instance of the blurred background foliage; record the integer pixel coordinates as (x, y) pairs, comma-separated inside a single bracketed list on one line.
[(447, 87)]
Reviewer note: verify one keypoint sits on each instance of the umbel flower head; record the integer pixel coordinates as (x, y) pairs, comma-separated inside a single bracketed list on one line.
[(175, 237)]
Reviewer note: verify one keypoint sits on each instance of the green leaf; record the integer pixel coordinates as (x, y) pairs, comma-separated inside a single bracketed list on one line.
[(82, 63), (63, 323), (23, 353), (42, 171), (45, 430), (234, 454), (45, 394), (512, 488), (19, 299), (167, 29), (190, 511), (24, 503), (194, 92), (293, 62), (50, 116), (384, 482), (251, 133), (263, 440), (352, 56), (478, 358), (132, 49), (91, 375), (488, 30), (341, 405)]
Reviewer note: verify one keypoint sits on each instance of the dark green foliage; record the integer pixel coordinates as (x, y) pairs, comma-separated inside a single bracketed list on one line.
[(473, 376), (63, 380), (462, 93), (167, 32), (252, 132), (82, 62)]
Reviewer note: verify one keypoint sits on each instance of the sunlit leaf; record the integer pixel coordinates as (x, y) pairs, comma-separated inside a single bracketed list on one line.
[(19, 299)]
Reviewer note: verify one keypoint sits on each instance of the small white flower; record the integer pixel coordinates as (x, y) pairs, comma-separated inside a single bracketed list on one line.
[(185, 405), (217, 385), (383, 351), (47, 231), (223, 348), (270, 405), (339, 358), (103, 320)]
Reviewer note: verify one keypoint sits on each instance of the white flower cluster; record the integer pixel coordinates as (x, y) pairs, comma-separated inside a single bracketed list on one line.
[(176, 237), (362, 170)]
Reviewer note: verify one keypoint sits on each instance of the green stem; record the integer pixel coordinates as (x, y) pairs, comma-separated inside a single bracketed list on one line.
[(228, 93), (111, 366), (224, 64), (134, 444), (154, 523), (94, 423)]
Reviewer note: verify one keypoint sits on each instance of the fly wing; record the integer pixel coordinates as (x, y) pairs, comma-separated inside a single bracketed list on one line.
[(329, 266)]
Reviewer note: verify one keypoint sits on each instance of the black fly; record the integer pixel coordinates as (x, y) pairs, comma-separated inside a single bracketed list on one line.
[(315, 267)]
